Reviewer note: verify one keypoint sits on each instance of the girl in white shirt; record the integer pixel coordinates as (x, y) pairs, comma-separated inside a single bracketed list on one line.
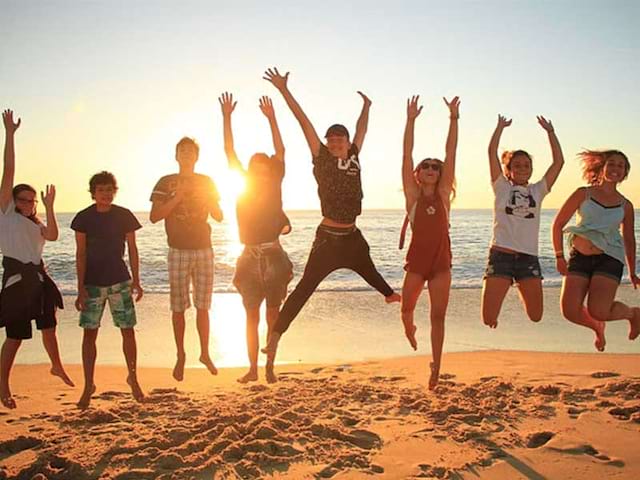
[(513, 256), (27, 291)]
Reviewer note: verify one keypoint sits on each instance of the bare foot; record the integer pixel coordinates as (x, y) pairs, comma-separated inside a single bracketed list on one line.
[(272, 347), (136, 391), (206, 361), (270, 375), (85, 399), (410, 333), (434, 377), (7, 399), (394, 297), (491, 323), (598, 328), (178, 370), (634, 324), (250, 376), (58, 371)]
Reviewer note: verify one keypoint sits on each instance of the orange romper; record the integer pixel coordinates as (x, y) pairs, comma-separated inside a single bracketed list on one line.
[(430, 249)]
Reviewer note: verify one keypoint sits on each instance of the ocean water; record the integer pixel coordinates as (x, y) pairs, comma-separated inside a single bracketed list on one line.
[(470, 237)]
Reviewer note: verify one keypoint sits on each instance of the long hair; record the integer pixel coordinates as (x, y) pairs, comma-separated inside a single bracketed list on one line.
[(593, 162), (507, 158), (416, 176)]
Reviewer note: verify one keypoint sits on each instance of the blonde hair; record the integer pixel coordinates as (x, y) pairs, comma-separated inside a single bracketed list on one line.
[(593, 162), (416, 171)]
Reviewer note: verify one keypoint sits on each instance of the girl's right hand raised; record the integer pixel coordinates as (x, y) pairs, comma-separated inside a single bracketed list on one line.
[(9, 125), (561, 266), (279, 81), (412, 107), (503, 122)]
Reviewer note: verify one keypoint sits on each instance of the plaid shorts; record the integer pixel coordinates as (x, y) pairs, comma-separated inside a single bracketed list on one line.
[(120, 301), (185, 267)]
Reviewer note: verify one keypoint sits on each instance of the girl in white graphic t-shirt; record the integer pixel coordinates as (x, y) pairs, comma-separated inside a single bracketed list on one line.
[(513, 256)]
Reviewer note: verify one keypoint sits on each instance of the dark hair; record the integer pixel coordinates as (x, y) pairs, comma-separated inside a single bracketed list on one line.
[(190, 141), (509, 155), (102, 178), (416, 172), (22, 187), (261, 158), (593, 162)]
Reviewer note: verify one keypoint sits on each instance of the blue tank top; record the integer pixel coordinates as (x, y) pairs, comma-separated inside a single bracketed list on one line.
[(600, 225)]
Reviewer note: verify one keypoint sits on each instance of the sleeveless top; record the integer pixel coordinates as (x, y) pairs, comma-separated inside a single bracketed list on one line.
[(430, 248), (600, 225)]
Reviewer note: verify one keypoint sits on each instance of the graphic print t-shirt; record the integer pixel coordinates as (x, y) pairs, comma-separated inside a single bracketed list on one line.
[(106, 233), (186, 225), (339, 184), (516, 215)]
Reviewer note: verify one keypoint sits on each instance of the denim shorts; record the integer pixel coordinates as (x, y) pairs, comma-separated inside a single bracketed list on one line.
[(263, 274), (590, 265), (515, 266)]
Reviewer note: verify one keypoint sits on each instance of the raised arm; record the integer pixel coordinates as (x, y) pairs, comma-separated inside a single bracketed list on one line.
[(449, 169), (494, 161), (629, 236), (280, 82), (562, 218), (409, 185), (266, 107), (9, 169), (50, 231), (558, 159), (228, 106), (363, 122)]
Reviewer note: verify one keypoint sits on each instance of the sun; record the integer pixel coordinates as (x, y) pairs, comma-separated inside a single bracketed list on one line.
[(231, 185)]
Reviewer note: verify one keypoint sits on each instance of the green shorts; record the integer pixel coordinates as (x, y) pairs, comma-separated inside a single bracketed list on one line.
[(120, 301)]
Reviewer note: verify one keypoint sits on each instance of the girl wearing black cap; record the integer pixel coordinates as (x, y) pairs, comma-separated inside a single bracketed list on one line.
[(338, 243)]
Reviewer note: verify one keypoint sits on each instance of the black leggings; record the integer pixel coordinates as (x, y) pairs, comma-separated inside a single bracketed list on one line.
[(329, 253)]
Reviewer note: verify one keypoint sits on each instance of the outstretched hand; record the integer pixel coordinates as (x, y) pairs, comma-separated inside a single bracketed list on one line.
[(454, 106), (365, 99), (226, 103), (413, 110), (503, 122), (9, 125), (544, 123), (279, 81), (266, 107), (48, 196)]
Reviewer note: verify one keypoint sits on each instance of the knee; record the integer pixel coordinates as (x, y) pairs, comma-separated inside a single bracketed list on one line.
[(535, 315), (407, 308), (127, 333), (437, 317), (598, 312)]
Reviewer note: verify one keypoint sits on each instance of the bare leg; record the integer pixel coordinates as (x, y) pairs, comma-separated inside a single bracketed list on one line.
[(272, 318), (202, 322), (574, 291), (531, 296), (603, 307), (50, 342), (253, 319), (411, 289), (494, 289), (130, 350), (439, 287), (7, 357), (178, 334), (89, 354)]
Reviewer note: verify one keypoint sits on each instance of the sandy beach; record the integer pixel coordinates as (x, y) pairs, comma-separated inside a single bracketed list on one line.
[(496, 414)]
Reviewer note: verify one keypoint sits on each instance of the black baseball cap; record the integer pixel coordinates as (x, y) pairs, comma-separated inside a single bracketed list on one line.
[(337, 130)]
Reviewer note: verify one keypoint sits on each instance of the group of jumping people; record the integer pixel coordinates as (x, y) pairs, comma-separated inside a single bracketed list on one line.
[(600, 242)]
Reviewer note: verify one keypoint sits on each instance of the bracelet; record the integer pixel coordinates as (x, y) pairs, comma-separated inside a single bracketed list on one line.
[(559, 255)]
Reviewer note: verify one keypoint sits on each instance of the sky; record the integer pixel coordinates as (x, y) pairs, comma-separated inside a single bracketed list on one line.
[(113, 85)]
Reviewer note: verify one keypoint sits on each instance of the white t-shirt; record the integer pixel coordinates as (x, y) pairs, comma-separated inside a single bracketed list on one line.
[(516, 215), (20, 238)]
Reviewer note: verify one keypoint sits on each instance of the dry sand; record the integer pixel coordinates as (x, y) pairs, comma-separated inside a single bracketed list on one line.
[(502, 415)]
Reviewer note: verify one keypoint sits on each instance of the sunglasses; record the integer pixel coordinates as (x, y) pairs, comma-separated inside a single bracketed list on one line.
[(436, 167)]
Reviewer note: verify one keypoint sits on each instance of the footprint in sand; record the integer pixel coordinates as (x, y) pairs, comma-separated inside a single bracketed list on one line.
[(17, 445), (590, 451), (624, 413), (317, 370), (538, 439), (604, 374)]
